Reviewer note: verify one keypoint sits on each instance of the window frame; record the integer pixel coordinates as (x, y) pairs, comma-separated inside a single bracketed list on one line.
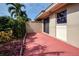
[(60, 17)]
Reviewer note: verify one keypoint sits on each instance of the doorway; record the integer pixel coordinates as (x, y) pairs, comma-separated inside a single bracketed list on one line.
[(46, 25)]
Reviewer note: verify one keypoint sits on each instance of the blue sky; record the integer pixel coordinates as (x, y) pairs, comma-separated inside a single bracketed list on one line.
[(32, 9)]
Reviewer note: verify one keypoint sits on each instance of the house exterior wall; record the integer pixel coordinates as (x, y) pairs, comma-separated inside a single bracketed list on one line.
[(42, 26), (61, 32), (57, 30), (73, 24), (71, 28), (61, 29), (52, 25), (33, 27)]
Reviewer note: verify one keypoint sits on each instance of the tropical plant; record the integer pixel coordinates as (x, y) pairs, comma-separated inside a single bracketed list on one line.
[(5, 36), (3, 23), (5, 30), (19, 28), (15, 9)]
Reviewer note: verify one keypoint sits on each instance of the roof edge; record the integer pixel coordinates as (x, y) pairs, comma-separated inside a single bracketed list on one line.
[(50, 9)]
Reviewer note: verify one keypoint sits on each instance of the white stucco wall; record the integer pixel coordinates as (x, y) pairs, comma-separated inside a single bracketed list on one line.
[(61, 32), (52, 25), (42, 26), (57, 30), (73, 24), (71, 28)]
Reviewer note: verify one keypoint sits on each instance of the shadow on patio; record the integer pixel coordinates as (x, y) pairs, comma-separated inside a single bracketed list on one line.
[(40, 44)]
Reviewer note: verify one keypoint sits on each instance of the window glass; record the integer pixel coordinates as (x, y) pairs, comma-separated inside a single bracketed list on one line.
[(62, 17)]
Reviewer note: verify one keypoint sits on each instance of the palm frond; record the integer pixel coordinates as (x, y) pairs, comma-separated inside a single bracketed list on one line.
[(13, 4), (12, 13), (23, 13), (22, 5), (15, 9), (11, 8)]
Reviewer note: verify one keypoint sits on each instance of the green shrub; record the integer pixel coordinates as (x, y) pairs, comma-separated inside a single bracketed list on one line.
[(11, 28), (19, 29), (5, 36)]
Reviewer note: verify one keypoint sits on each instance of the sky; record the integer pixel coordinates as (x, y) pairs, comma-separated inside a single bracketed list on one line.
[(32, 9)]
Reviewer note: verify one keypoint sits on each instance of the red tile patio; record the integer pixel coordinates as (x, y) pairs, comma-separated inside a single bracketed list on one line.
[(40, 44)]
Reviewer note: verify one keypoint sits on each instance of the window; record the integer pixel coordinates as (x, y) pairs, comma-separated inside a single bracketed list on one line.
[(62, 17)]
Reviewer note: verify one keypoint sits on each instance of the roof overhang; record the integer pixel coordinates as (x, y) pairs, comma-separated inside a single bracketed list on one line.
[(50, 10)]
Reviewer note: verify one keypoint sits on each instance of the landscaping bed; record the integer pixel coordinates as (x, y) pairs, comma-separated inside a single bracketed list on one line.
[(11, 48)]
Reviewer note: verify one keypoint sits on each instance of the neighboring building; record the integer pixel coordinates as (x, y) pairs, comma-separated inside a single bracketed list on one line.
[(61, 20)]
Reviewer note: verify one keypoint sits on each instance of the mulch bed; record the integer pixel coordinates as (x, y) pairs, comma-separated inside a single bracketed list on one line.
[(11, 48)]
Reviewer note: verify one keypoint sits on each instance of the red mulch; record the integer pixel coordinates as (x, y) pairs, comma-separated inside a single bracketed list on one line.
[(11, 48)]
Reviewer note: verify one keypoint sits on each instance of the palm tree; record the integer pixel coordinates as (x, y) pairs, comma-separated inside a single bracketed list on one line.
[(18, 27), (15, 9)]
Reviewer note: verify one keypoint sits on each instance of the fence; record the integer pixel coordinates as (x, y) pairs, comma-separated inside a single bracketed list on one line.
[(33, 26)]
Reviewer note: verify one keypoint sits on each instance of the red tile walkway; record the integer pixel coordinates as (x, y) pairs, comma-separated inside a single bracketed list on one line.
[(41, 44)]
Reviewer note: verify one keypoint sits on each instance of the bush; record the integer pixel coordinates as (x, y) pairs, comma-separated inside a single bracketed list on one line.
[(5, 30), (5, 36), (19, 29), (11, 28)]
